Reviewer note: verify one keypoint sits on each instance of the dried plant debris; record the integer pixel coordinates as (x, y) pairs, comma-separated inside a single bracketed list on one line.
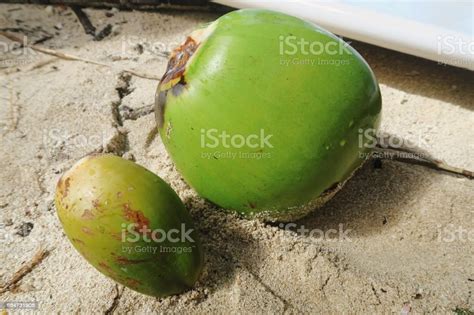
[(40, 255)]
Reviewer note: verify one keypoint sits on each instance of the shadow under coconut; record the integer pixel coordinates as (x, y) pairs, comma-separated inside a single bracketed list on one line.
[(373, 197), (228, 245), (370, 199), (379, 191), (367, 201)]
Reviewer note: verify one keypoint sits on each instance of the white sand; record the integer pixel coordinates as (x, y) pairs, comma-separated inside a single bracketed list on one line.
[(397, 214)]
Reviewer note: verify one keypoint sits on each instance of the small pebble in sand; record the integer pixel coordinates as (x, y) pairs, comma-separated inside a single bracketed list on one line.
[(24, 229)]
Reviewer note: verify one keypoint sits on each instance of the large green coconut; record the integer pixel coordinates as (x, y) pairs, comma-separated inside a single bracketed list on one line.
[(264, 113)]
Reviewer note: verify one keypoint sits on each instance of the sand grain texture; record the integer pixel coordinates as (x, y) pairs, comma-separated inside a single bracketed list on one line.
[(54, 111)]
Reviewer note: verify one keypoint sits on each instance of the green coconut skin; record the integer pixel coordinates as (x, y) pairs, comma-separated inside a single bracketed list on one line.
[(99, 197), (237, 81)]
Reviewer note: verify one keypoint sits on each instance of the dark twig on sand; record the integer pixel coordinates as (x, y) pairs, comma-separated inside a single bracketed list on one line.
[(84, 20), (89, 28), (106, 31)]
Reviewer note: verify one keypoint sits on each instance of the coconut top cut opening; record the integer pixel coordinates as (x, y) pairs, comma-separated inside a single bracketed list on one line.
[(181, 56), (174, 78)]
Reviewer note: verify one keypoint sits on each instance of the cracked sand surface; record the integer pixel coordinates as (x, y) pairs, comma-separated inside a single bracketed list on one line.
[(54, 111)]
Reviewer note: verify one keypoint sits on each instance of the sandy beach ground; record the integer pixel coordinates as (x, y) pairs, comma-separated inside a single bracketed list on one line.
[(410, 228)]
